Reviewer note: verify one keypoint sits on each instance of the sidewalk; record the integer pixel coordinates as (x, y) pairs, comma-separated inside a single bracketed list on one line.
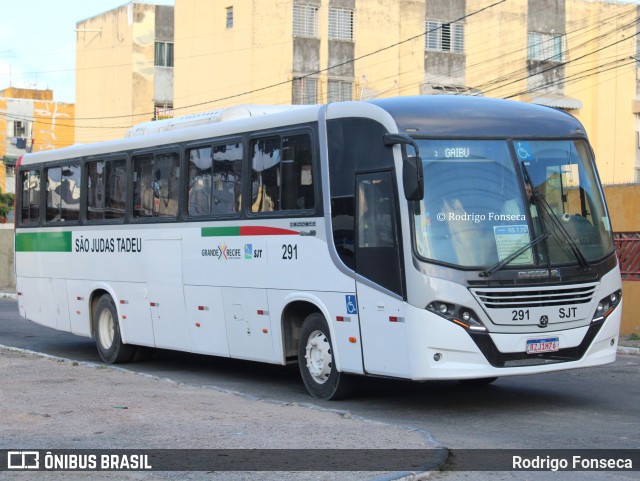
[(50, 403)]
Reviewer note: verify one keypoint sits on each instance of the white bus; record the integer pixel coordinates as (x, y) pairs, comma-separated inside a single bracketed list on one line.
[(422, 238)]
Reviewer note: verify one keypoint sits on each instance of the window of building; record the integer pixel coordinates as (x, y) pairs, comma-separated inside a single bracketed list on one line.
[(305, 21), (63, 193), (163, 56), (339, 91), (305, 91), (282, 173), (215, 179), (30, 208), (229, 17), (546, 47), (19, 129), (156, 185), (106, 189), (444, 37), (340, 24)]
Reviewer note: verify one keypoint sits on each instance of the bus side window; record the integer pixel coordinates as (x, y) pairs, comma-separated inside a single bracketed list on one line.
[(30, 202), (63, 193), (282, 175), (106, 189), (155, 185)]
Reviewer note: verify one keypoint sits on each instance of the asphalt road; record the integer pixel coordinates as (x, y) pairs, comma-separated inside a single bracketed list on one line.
[(591, 408)]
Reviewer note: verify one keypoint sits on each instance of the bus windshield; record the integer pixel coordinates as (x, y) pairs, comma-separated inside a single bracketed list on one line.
[(485, 199)]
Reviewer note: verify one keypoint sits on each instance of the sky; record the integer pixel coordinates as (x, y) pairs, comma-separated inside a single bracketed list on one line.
[(38, 42)]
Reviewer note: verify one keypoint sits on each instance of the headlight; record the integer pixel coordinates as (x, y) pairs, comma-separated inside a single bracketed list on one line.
[(460, 315), (606, 306)]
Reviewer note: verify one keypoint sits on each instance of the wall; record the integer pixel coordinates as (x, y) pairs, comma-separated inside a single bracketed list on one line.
[(604, 38), (7, 272), (115, 69), (623, 202), (216, 67)]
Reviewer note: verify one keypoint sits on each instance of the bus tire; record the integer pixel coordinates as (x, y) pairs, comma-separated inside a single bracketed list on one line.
[(106, 332), (315, 359)]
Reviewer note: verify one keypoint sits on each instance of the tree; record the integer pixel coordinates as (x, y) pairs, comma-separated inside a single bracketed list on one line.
[(6, 205)]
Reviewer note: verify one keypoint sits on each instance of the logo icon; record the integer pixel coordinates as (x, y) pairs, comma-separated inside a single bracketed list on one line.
[(248, 251), (544, 321), (352, 304), (23, 460)]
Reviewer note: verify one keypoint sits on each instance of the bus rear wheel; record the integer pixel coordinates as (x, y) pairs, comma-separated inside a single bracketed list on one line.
[(106, 332), (316, 362)]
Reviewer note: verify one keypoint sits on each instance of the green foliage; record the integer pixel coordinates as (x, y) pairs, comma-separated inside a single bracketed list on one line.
[(6, 204)]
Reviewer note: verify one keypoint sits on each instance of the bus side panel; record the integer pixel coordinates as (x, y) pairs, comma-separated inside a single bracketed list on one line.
[(78, 299), (166, 293), (61, 304), (205, 316), (384, 331), (135, 313), (248, 324), (36, 299)]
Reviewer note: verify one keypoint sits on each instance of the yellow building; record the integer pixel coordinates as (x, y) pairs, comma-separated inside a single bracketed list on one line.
[(574, 54), (124, 70), (30, 121)]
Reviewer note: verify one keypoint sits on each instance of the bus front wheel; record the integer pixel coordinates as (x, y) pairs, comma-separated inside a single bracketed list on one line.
[(106, 332), (316, 362)]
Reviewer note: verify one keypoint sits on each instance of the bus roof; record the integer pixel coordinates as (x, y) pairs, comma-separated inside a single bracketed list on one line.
[(436, 116), (479, 117)]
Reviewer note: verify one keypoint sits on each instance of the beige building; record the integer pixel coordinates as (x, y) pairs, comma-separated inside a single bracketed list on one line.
[(573, 54), (124, 69), (30, 121)]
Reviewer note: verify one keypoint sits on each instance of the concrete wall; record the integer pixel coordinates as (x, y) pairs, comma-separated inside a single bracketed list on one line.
[(623, 202), (7, 271)]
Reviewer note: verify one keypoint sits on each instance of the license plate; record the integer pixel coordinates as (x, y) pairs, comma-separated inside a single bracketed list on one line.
[(535, 346)]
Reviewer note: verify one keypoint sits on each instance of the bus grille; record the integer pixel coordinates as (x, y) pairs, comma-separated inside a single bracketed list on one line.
[(535, 297)]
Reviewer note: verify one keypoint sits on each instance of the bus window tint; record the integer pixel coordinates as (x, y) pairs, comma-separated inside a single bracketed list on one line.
[(30, 209), (63, 193), (215, 179), (155, 185), (106, 190), (282, 175)]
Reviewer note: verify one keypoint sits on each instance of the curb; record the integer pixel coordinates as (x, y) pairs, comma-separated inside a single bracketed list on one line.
[(8, 295)]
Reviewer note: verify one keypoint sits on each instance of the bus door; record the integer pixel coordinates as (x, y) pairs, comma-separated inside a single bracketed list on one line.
[(379, 285), (165, 293)]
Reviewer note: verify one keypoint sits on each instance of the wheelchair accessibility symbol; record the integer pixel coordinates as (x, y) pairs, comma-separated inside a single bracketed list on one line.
[(352, 305)]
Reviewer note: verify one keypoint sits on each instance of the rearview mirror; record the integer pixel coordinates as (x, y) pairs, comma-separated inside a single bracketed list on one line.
[(412, 175)]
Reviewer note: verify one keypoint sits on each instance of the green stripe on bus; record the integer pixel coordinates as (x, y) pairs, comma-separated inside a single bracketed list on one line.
[(43, 241), (220, 231)]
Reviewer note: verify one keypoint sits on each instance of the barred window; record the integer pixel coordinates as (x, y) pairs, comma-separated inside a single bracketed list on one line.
[(305, 21), (444, 37), (546, 47), (163, 54), (339, 91), (229, 17), (305, 91), (340, 24)]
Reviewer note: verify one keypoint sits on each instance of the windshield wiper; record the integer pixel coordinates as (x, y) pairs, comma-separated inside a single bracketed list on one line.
[(513, 256), (543, 206), (582, 260)]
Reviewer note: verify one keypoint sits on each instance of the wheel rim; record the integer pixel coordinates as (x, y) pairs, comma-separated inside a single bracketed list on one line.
[(106, 329), (319, 357)]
